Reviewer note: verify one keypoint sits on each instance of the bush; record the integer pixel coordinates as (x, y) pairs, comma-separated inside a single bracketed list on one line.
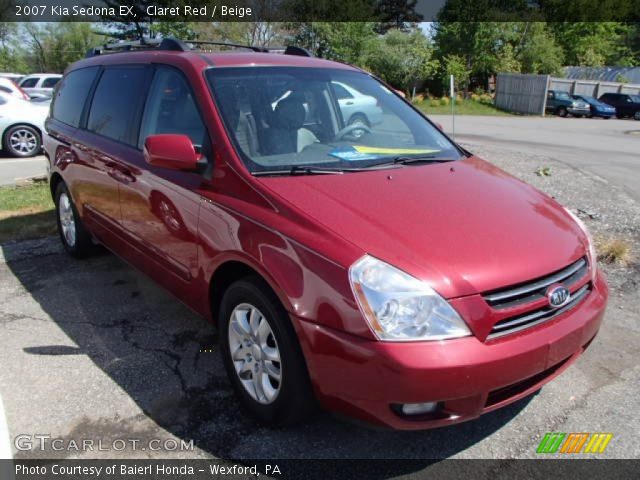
[(444, 101)]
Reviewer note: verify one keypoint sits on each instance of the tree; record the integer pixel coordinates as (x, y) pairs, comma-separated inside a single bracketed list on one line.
[(343, 41), (457, 66), (263, 34), (594, 43), (539, 52), (10, 58), (398, 14), (401, 59), (51, 47)]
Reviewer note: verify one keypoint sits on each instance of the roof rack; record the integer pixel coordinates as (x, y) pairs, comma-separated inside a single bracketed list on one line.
[(175, 45)]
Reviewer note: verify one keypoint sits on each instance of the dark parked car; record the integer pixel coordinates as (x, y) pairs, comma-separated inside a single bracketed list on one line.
[(381, 269), (626, 105), (598, 109), (561, 103)]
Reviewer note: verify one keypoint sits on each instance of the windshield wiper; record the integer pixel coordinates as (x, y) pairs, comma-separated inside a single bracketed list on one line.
[(300, 170), (404, 160), (423, 158)]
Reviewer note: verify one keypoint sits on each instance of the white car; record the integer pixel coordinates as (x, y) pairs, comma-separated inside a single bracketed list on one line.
[(21, 125), (8, 87), (40, 83), (356, 107)]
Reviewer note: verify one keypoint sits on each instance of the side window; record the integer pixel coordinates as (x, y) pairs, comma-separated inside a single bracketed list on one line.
[(50, 82), (115, 102), (29, 82), (71, 96), (340, 91), (171, 108), (550, 95)]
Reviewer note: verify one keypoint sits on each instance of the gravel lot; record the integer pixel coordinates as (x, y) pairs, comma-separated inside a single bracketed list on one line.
[(92, 349)]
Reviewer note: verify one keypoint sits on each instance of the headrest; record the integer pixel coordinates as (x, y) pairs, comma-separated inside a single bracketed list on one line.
[(289, 113)]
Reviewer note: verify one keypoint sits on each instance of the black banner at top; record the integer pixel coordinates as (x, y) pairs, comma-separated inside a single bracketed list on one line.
[(319, 10)]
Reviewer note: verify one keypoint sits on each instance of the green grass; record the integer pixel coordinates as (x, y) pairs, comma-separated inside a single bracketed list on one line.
[(26, 212), (464, 107)]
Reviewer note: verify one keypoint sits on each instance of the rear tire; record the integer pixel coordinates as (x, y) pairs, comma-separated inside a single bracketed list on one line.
[(562, 112), (262, 356), (76, 240)]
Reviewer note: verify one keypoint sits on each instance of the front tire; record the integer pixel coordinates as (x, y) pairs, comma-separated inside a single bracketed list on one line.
[(262, 355), (562, 112), (76, 240), (22, 141)]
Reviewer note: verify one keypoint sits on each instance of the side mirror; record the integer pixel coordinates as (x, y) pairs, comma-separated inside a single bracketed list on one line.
[(172, 151)]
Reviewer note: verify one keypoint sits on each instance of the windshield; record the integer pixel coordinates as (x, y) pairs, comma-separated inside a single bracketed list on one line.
[(291, 118), (635, 98)]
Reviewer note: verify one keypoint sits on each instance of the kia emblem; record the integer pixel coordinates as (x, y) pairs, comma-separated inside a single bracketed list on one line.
[(558, 296)]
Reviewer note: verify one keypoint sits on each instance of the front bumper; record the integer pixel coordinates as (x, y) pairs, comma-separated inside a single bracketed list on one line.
[(578, 111), (363, 378)]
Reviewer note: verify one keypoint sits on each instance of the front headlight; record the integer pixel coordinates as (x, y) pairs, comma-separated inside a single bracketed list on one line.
[(399, 307), (593, 257)]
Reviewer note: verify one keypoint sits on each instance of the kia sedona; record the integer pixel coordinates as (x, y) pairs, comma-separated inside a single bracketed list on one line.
[(376, 269)]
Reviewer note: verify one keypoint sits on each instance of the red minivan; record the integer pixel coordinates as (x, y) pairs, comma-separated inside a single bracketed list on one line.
[(349, 252)]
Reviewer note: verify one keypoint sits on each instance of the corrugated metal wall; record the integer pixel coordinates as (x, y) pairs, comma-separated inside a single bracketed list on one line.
[(527, 94), (592, 88)]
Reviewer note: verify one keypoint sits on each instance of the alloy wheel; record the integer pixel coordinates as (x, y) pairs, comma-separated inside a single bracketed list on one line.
[(254, 353), (67, 220), (23, 141)]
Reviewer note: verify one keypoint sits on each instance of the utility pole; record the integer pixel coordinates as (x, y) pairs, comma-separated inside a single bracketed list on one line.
[(453, 108)]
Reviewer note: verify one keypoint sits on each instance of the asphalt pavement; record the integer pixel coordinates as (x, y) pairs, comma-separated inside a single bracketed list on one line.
[(13, 169), (607, 148), (93, 350)]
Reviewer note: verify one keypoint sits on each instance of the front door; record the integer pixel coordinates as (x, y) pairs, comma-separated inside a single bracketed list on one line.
[(159, 206)]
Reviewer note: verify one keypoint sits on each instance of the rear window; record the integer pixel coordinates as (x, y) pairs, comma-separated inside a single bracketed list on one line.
[(71, 96), (50, 82), (116, 101)]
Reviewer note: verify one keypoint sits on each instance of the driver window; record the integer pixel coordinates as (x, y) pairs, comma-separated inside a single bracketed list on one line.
[(171, 108)]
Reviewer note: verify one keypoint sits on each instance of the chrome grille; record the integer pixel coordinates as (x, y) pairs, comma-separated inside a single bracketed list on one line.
[(531, 292)]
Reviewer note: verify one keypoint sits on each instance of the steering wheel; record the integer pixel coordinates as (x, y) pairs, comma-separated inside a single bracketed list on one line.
[(350, 128)]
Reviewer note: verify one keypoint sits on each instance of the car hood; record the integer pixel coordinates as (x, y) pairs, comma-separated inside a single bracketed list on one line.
[(465, 227)]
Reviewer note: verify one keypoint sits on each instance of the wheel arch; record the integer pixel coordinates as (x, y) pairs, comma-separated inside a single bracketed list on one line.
[(54, 181), (359, 114), (230, 271), (22, 124)]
